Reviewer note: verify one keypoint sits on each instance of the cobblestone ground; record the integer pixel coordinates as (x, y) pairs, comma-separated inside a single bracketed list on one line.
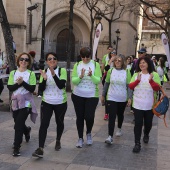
[(99, 156)]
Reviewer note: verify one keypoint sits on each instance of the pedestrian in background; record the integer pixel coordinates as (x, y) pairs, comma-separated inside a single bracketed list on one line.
[(145, 82), (105, 58), (161, 70), (116, 90), (109, 64), (86, 76), (53, 85), (22, 83), (2, 66)]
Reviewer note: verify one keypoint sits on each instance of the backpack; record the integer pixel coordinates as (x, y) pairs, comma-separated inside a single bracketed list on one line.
[(161, 107)]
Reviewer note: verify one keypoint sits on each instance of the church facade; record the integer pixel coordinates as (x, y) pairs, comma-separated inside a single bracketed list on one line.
[(26, 28)]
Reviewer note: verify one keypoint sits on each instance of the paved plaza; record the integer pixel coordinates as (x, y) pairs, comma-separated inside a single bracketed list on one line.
[(154, 156)]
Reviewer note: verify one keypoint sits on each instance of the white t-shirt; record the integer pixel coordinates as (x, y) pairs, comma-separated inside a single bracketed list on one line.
[(52, 94), (117, 89), (160, 71), (22, 90), (143, 96), (86, 88), (166, 64)]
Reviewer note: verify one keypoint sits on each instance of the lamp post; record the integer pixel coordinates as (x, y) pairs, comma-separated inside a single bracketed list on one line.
[(117, 38), (136, 39), (42, 60), (69, 49), (98, 19)]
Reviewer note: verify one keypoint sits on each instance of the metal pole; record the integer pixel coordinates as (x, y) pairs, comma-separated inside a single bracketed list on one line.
[(117, 43), (69, 49), (42, 60)]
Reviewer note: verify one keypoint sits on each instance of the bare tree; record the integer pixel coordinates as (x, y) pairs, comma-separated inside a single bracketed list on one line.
[(157, 11), (111, 11), (91, 5), (7, 37)]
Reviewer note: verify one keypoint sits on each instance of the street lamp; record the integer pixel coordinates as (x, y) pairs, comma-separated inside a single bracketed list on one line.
[(136, 39), (117, 38), (98, 19), (42, 60)]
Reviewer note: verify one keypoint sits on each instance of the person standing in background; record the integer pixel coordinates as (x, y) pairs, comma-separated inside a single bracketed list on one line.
[(2, 66)]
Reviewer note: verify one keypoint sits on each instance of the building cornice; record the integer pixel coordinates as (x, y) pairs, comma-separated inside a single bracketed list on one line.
[(19, 26)]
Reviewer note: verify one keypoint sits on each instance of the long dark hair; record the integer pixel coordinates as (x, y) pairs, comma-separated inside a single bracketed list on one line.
[(148, 61), (162, 62)]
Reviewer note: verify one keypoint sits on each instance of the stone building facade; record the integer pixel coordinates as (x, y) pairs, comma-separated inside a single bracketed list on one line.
[(56, 31)]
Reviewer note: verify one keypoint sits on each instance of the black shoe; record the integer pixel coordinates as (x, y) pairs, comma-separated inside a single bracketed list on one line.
[(27, 136), (146, 138), (1, 101), (137, 148), (57, 145), (38, 153), (16, 152)]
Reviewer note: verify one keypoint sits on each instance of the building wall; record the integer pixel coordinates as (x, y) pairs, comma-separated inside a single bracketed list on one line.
[(57, 19)]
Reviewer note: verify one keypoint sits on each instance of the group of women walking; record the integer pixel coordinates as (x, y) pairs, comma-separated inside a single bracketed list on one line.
[(118, 90)]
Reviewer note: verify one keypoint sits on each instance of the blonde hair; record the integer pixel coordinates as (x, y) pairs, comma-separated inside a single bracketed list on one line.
[(30, 59), (123, 62)]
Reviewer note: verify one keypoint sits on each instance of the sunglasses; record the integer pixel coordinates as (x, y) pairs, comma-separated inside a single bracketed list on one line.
[(49, 59), (85, 56), (24, 59), (118, 60), (140, 52)]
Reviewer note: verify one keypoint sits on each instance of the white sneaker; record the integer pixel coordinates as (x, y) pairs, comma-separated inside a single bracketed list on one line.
[(80, 143), (119, 133), (109, 140), (89, 139)]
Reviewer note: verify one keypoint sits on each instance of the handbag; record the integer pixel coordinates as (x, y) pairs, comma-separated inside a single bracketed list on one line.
[(161, 107)]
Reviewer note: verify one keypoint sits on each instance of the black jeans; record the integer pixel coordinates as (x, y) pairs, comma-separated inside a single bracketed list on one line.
[(115, 108), (46, 114), (20, 116), (141, 116), (85, 110), (1, 86)]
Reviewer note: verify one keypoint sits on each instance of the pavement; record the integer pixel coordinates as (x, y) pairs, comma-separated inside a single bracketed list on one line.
[(154, 156)]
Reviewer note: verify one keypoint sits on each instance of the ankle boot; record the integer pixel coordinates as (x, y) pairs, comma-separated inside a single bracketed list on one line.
[(137, 147)]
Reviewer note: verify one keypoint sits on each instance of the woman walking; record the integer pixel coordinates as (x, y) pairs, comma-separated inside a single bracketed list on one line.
[(86, 76), (22, 83), (52, 84), (145, 82), (116, 90)]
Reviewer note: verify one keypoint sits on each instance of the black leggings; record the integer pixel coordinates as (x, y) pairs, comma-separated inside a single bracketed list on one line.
[(140, 116), (20, 116), (85, 110), (1, 86), (115, 108), (46, 114)]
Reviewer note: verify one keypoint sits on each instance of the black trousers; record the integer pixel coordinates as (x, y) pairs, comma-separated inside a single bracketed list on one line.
[(142, 116), (20, 117), (1, 86), (46, 114), (115, 108), (85, 110)]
